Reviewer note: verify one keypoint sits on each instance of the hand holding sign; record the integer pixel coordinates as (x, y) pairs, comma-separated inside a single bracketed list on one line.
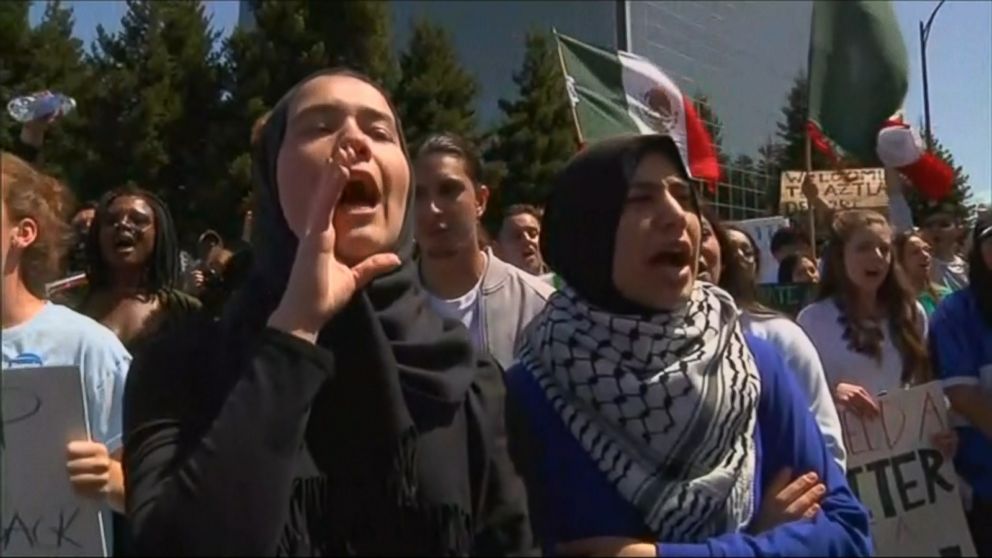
[(89, 465), (857, 399), (946, 441)]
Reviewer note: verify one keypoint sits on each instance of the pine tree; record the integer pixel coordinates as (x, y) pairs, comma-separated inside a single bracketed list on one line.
[(958, 202), (45, 57), (357, 34), (435, 93), (290, 40), (157, 84), (15, 62), (58, 64), (537, 135), (792, 130)]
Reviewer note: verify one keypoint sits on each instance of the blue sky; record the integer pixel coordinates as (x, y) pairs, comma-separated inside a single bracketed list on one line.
[(959, 55)]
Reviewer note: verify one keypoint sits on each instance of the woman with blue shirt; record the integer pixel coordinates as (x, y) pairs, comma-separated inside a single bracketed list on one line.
[(961, 346), (651, 423)]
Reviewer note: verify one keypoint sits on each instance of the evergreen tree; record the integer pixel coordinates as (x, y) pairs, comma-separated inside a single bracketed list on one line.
[(537, 135), (15, 62), (44, 57), (157, 84), (959, 200), (58, 64), (435, 94), (356, 34), (792, 130), (290, 40)]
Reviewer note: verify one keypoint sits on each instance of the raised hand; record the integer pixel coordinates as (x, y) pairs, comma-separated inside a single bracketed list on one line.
[(320, 285)]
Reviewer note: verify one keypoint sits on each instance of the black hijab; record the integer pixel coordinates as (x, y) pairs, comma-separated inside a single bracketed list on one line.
[(593, 187), (400, 370)]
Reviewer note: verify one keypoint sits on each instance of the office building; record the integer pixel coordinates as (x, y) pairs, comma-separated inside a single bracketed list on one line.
[(741, 55)]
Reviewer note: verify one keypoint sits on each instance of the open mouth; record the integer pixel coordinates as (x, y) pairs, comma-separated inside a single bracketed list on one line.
[(677, 256), (360, 191), (125, 242)]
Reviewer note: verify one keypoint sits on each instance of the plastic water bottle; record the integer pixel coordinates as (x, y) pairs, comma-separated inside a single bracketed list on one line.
[(27, 108)]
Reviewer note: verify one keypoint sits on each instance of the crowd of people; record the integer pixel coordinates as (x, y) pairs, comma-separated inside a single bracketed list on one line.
[(374, 374)]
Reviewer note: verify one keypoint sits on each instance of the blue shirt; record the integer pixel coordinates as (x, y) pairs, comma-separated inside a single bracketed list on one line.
[(571, 499), (58, 336), (961, 347)]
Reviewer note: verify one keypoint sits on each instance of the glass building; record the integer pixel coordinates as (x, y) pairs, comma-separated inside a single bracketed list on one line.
[(742, 56)]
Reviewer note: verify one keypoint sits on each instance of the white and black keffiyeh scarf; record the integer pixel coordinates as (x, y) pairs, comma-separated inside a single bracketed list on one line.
[(666, 406)]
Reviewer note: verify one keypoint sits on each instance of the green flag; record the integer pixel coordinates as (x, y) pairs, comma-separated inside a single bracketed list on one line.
[(858, 74), (616, 92)]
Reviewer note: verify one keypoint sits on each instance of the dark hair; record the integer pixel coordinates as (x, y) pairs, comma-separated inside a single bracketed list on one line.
[(707, 214), (86, 206), (519, 209), (787, 236), (894, 295), (735, 279), (29, 194), (163, 273), (452, 144), (787, 268), (979, 273)]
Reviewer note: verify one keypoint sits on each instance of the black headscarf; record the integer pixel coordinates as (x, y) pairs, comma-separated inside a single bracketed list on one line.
[(592, 188), (400, 369)]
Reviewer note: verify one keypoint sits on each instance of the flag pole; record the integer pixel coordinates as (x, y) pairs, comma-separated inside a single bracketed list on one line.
[(564, 77), (811, 210)]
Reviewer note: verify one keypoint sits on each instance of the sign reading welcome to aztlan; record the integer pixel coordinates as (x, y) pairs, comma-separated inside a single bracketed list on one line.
[(841, 189)]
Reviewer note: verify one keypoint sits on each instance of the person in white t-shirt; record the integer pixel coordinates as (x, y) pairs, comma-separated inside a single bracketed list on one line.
[(866, 324), (37, 333), (730, 258), (492, 298)]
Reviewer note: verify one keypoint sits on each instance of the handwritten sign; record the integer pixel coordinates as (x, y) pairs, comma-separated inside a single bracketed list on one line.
[(847, 189), (762, 230), (907, 485), (788, 298), (40, 515)]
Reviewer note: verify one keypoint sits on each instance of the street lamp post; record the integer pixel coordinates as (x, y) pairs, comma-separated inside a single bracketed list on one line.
[(924, 35)]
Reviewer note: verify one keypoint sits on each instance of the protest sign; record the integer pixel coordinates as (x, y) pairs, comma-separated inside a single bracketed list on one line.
[(908, 486), (788, 298), (762, 230), (843, 189), (43, 410)]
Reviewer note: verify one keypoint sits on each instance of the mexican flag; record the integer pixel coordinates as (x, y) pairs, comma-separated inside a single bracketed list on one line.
[(858, 75), (615, 92)]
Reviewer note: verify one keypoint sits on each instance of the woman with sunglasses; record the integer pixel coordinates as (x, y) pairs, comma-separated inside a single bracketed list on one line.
[(133, 268), (740, 269)]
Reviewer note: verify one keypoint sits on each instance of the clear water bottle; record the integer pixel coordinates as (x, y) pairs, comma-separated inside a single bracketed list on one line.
[(27, 108)]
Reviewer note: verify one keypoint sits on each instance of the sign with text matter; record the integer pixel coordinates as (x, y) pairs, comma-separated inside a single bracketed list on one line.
[(908, 486)]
